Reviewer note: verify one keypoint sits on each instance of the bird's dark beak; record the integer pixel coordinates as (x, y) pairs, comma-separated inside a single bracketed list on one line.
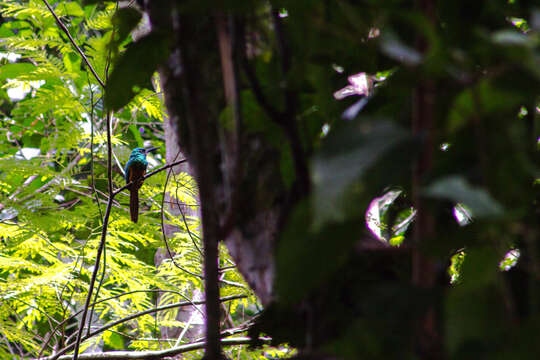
[(151, 149)]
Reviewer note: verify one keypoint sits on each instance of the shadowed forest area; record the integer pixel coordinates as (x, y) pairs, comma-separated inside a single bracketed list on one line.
[(283, 179)]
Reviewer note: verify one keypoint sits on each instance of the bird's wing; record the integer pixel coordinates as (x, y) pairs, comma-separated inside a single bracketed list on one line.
[(135, 174)]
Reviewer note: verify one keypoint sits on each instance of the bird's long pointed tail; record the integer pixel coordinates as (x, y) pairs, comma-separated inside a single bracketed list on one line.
[(134, 205)]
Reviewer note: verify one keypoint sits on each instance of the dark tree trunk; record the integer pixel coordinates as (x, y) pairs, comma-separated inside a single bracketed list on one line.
[(192, 83)]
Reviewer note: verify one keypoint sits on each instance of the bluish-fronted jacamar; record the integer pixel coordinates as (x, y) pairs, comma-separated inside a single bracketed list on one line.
[(135, 170)]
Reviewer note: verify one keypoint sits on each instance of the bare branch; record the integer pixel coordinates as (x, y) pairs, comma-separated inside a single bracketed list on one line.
[(134, 316), (102, 240), (157, 354), (66, 31)]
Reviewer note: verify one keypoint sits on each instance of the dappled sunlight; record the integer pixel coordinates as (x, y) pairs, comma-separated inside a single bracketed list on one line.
[(510, 260), (387, 230), (462, 214)]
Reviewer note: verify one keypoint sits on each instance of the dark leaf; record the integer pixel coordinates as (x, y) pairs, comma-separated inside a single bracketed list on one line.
[(134, 70), (124, 21), (344, 158), (457, 189)]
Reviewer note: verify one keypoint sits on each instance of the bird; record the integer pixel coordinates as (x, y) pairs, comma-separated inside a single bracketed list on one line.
[(135, 170)]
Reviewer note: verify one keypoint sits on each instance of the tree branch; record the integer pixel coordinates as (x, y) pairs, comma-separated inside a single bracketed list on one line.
[(102, 240), (288, 119), (66, 31), (104, 229), (156, 354), (254, 83), (165, 167), (55, 330), (131, 317), (185, 223)]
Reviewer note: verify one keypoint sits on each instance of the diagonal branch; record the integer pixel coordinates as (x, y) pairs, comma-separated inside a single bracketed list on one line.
[(165, 167), (66, 31)]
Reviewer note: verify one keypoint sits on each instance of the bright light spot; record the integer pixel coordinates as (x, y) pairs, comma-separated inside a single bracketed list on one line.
[(283, 13), (8, 214), (338, 69), (325, 129), (373, 33), (456, 261), (73, 89), (444, 146), (147, 143), (403, 225), (462, 214), (17, 90), (86, 125), (12, 57), (510, 260), (376, 210), (359, 84), (517, 22), (27, 153), (523, 112)]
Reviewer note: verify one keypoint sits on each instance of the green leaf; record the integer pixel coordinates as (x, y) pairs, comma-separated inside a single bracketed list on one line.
[(113, 340), (457, 189), (5, 31), (474, 306), (12, 71), (483, 99), (70, 8), (124, 21), (134, 69), (136, 135), (344, 158)]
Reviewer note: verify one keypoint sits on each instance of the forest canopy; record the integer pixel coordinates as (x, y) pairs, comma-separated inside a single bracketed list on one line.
[(345, 179)]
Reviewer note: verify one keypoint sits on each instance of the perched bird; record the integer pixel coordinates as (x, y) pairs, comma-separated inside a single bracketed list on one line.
[(135, 170)]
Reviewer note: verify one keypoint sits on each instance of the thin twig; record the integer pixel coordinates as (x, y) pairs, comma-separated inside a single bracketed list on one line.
[(102, 240), (107, 66), (158, 354), (66, 31), (194, 241), (92, 174), (134, 316), (163, 222), (101, 301)]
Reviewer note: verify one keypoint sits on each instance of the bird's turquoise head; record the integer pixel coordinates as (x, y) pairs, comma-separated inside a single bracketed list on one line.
[(141, 152), (138, 152), (138, 158)]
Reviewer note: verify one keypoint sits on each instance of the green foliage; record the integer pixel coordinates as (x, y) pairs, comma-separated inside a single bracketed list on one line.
[(473, 66), (53, 188), (135, 68), (474, 71), (457, 190)]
